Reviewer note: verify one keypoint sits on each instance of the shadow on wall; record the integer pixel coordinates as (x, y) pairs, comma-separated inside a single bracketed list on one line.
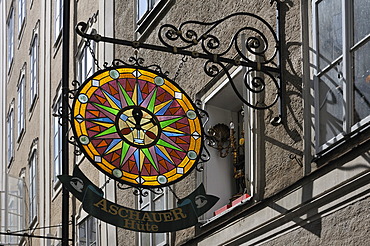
[(293, 124)]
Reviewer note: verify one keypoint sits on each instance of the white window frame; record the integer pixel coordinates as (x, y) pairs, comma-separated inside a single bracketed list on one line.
[(34, 70), (10, 40), (20, 106), (251, 128), (32, 188), (21, 14), (346, 73), (85, 225), (148, 204), (58, 19), (10, 136), (14, 208), (57, 142)]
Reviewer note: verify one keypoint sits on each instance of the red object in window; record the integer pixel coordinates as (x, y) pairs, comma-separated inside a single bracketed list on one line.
[(222, 209), (239, 200)]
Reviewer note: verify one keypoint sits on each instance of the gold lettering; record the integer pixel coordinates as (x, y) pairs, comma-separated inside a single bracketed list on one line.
[(103, 204), (178, 214), (146, 216), (121, 214), (134, 215), (148, 227), (155, 217), (140, 226), (129, 223), (113, 209), (167, 216), (154, 228)]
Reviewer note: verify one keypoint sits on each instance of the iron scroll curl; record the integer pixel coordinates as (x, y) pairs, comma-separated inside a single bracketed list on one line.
[(256, 49), (185, 36)]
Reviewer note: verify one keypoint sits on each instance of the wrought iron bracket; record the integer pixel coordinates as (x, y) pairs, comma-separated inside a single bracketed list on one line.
[(257, 49)]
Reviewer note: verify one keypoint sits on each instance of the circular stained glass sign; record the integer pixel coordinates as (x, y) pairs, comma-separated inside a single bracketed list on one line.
[(137, 127)]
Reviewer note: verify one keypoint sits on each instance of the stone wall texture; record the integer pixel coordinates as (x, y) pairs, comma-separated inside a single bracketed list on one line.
[(348, 226)]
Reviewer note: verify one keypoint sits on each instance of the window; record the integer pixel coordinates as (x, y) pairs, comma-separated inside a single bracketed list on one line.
[(20, 107), (86, 65), (21, 14), (148, 13), (225, 178), (57, 141), (33, 70), (14, 208), (58, 21), (87, 231), (144, 6), (10, 34), (150, 203), (342, 76), (32, 189), (10, 135)]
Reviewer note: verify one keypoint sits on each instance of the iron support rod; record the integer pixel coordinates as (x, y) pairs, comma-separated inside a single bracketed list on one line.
[(30, 235), (65, 112)]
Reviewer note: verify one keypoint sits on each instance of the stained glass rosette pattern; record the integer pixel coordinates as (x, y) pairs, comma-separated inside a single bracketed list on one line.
[(137, 127)]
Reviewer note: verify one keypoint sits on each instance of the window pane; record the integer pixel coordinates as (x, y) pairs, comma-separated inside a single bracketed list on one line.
[(331, 106), (361, 82), (92, 230), (145, 239), (82, 234), (142, 7), (159, 203), (159, 238), (10, 32), (329, 31), (361, 19)]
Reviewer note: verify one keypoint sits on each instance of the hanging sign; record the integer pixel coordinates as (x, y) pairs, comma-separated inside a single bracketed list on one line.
[(137, 127), (141, 129), (184, 216)]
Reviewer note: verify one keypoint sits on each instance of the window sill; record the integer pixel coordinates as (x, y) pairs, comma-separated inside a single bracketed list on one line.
[(228, 208), (32, 107), (20, 137), (57, 187), (10, 162), (21, 32), (10, 68), (342, 146), (33, 225), (57, 43)]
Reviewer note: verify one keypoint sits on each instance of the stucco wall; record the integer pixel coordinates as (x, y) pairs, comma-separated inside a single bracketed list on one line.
[(278, 142), (348, 226)]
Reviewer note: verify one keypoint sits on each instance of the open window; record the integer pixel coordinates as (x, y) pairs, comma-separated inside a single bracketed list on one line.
[(230, 173)]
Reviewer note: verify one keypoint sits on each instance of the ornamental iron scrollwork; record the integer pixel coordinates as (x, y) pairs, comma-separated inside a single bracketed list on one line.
[(255, 46)]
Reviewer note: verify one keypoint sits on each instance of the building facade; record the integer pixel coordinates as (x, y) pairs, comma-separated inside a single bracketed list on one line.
[(304, 163)]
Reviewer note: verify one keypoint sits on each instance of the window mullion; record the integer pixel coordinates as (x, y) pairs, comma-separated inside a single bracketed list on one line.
[(346, 66)]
